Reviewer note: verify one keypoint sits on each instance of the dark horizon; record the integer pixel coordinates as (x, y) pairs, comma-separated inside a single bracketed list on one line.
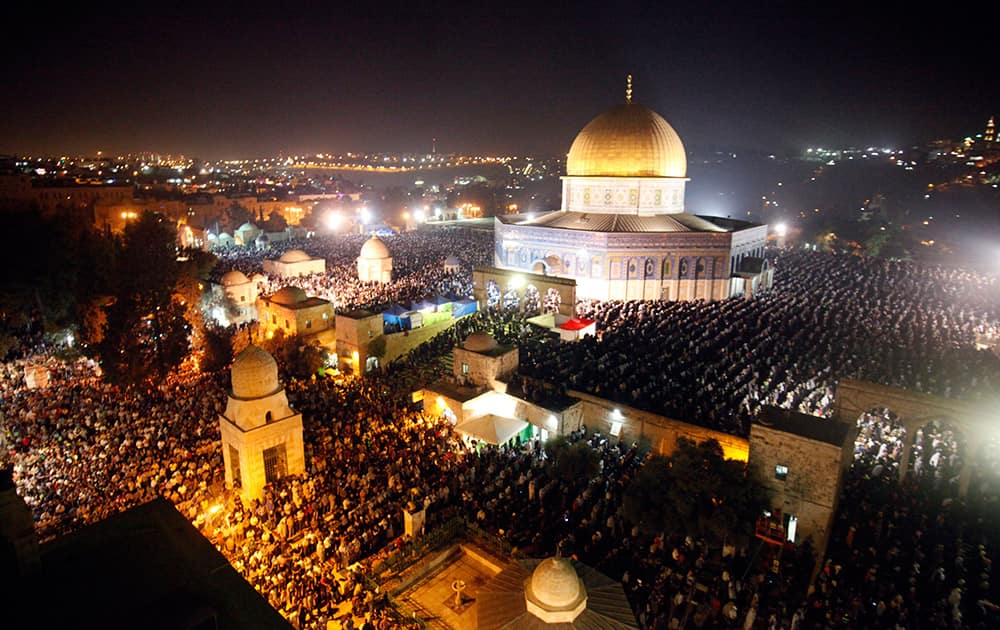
[(231, 86)]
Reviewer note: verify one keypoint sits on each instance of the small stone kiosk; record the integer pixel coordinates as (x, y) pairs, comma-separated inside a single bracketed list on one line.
[(375, 262), (261, 434)]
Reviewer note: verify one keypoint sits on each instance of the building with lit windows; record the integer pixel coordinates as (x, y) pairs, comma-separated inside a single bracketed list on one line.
[(294, 313), (623, 231)]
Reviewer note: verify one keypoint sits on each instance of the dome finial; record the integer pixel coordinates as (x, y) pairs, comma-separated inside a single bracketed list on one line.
[(628, 89)]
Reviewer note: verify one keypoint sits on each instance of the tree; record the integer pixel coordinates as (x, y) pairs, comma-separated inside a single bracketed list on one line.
[(573, 462), (694, 491), (147, 334), (275, 222)]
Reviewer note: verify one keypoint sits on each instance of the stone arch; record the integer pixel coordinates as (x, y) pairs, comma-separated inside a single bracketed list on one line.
[(938, 453), (915, 410), (552, 301), (540, 267), (511, 297), (531, 301), (880, 441), (985, 462), (493, 294)]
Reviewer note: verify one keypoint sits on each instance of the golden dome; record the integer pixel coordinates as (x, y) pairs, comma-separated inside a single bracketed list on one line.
[(628, 140)]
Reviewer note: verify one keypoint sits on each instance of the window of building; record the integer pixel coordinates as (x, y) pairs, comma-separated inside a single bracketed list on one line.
[(781, 472), (243, 298), (234, 465), (286, 324), (274, 318), (465, 368), (616, 428), (275, 464), (309, 323)]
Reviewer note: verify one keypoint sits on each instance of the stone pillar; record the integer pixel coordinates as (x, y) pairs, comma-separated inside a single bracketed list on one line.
[(964, 478), (413, 522), (904, 464)]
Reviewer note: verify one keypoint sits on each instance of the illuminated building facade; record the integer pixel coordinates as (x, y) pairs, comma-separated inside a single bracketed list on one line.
[(261, 433), (622, 231), (375, 262)]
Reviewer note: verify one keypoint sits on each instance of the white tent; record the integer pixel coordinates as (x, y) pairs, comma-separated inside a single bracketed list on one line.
[(492, 429)]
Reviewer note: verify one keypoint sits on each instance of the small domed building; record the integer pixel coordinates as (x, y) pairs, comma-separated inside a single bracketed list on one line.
[(375, 261), (246, 234), (292, 311), (555, 592), (261, 434), (294, 263), (241, 292), (623, 231)]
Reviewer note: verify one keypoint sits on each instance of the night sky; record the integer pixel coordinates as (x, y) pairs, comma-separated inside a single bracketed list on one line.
[(250, 82)]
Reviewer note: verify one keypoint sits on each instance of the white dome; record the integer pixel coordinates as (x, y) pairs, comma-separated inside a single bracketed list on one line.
[(555, 584), (294, 256), (480, 342), (374, 249), (254, 373), (233, 278), (289, 296), (246, 226)]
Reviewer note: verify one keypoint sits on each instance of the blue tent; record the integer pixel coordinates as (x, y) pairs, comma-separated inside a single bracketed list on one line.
[(442, 303), (422, 305), (464, 306), (391, 315)]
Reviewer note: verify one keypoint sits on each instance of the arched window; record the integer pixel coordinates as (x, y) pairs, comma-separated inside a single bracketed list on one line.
[(268, 418)]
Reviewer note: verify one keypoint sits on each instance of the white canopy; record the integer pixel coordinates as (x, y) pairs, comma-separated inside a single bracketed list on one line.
[(492, 429)]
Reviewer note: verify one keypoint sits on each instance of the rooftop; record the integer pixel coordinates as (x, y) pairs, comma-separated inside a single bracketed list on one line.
[(803, 425), (145, 567)]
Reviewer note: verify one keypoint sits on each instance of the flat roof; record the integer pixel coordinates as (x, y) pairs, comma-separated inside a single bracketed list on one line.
[(461, 393), (146, 567), (804, 425), (358, 313)]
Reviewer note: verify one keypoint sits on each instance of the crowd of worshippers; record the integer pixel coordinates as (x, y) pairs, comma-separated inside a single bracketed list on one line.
[(911, 553), (307, 544), (829, 317), (83, 450), (417, 267)]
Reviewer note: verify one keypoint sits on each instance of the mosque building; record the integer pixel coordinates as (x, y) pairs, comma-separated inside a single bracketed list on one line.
[(623, 231)]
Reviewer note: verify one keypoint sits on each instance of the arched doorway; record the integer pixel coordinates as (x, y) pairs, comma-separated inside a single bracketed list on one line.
[(985, 473), (511, 298), (531, 302), (880, 442), (936, 458), (552, 302), (492, 294)]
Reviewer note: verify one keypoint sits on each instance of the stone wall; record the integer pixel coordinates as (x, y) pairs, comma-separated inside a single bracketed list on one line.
[(660, 433), (811, 488)]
